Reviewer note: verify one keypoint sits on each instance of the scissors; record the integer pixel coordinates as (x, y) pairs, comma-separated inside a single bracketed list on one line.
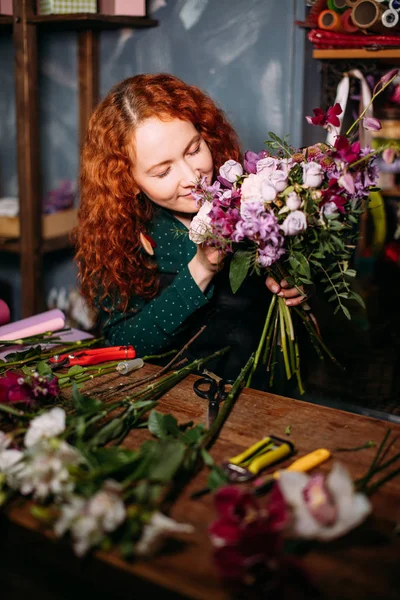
[(215, 392), (92, 356)]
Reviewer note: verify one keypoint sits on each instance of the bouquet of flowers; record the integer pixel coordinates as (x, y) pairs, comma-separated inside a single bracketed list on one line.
[(293, 213)]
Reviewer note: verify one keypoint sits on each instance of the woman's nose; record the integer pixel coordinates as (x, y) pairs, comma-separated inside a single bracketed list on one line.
[(189, 174)]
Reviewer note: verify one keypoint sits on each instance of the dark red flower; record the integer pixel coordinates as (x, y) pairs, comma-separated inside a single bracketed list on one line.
[(13, 389), (349, 153), (333, 193), (325, 119)]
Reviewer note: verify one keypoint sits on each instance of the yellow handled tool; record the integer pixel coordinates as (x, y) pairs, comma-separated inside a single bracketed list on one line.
[(260, 455), (302, 464)]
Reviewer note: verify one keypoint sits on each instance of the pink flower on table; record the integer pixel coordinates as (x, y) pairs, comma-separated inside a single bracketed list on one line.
[(323, 119), (324, 508), (246, 536), (14, 390)]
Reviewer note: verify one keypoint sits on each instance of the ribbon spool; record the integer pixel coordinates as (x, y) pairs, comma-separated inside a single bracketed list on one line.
[(346, 22), (329, 20), (390, 19), (338, 6), (351, 2), (367, 14), (394, 5)]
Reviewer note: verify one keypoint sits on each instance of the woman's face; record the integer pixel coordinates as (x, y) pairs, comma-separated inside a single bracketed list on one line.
[(169, 158)]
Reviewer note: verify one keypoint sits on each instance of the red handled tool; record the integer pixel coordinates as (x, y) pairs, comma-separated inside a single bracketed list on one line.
[(93, 356)]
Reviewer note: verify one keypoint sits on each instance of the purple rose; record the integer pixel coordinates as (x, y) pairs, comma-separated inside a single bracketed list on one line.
[(313, 174), (250, 161), (293, 201), (294, 223), (267, 165), (231, 170)]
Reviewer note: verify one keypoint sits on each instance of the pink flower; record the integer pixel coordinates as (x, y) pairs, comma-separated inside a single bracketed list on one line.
[(372, 124), (346, 181), (325, 119), (388, 76), (395, 97), (388, 155)]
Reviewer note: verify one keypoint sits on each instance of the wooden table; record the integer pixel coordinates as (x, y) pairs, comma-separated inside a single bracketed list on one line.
[(363, 565)]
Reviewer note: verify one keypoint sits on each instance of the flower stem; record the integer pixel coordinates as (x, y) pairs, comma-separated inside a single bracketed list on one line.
[(283, 338), (262, 340), (223, 414)]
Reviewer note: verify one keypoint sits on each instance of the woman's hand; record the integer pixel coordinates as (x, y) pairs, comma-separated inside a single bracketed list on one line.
[(291, 294), (205, 264)]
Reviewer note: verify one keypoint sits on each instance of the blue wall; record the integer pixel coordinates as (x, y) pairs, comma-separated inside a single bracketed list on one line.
[(247, 54)]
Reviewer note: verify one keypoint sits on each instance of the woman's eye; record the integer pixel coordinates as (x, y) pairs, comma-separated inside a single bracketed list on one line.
[(164, 174), (195, 151)]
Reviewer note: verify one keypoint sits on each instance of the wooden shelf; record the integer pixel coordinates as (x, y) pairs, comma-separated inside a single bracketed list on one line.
[(90, 20), (81, 21), (392, 54), (394, 191), (12, 246)]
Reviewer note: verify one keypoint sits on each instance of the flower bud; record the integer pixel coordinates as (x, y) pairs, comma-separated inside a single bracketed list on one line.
[(372, 124)]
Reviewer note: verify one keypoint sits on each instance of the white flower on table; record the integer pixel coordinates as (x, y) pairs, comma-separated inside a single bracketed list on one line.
[(324, 508), (45, 470), (89, 520), (47, 425), (154, 533)]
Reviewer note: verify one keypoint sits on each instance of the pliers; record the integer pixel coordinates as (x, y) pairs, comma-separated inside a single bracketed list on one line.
[(91, 357)]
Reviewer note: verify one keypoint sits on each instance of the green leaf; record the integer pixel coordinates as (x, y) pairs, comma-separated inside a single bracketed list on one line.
[(192, 436), (217, 478), (75, 370), (288, 430), (84, 404), (168, 459), (239, 268), (163, 426), (44, 370), (346, 312), (358, 299), (351, 273), (207, 458)]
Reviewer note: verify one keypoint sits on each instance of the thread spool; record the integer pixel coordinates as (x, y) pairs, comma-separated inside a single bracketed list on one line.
[(394, 5), (367, 14), (346, 22), (351, 3), (390, 18), (338, 6), (329, 20)]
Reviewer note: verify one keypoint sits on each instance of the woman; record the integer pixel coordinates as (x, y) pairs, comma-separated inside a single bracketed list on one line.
[(147, 143)]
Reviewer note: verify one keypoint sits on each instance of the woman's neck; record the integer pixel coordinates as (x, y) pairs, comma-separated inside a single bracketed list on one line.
[(184, 218)]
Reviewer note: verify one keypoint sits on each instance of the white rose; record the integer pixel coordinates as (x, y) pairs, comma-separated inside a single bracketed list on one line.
[(267, 165), (200, 225), (313, 174), (294, 223), (231, 170), (293, 201), (50, 424), (251, 188)]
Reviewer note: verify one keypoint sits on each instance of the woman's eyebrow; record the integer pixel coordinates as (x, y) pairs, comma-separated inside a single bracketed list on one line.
[(166, 162)]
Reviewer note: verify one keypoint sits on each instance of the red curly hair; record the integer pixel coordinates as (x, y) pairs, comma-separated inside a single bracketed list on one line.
[(112, 211)]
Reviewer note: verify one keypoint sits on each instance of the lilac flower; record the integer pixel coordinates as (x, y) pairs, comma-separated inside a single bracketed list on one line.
[(269, 254), (250, 161)]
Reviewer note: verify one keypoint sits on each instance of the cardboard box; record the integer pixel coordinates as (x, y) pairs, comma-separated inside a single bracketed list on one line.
[(6, 7), (130, 8), (54, 225), (65, 7)]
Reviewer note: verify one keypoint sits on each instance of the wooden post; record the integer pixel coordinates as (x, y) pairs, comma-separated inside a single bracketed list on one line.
[(88, 76), (28, 157)]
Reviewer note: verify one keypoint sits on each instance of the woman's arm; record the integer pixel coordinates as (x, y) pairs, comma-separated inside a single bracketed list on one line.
[(155, 324)]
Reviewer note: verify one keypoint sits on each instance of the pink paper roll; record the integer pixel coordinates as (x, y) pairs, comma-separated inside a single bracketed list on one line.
[(4, 313), (52, 320)]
